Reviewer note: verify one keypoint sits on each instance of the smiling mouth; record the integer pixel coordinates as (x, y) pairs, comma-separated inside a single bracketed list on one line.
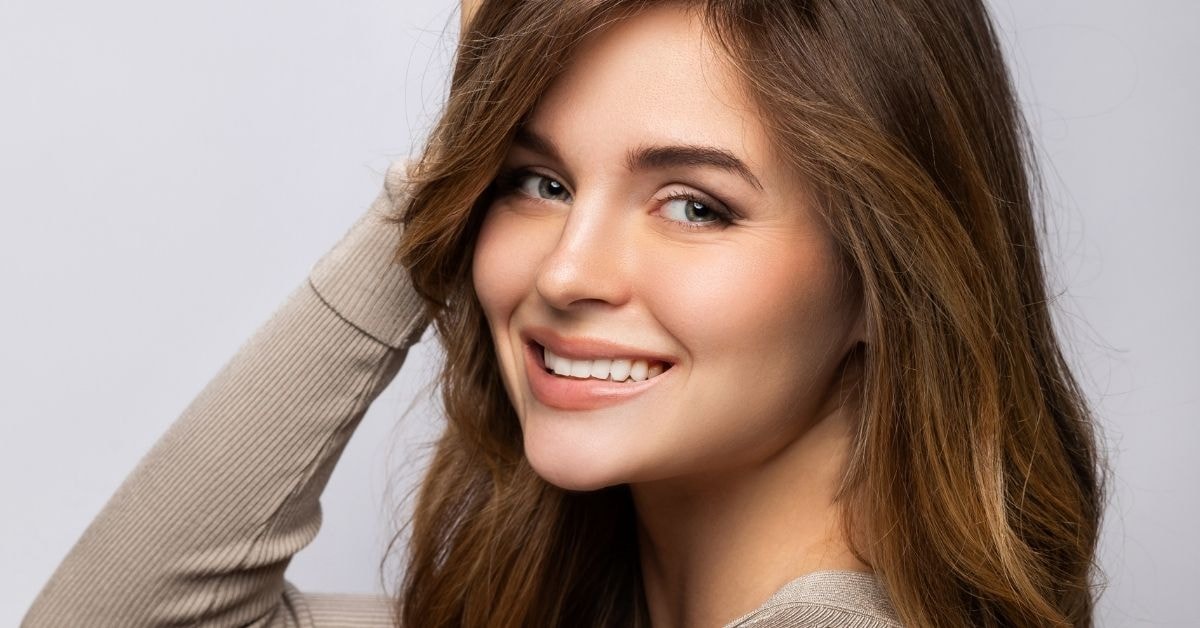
[(619, 370)]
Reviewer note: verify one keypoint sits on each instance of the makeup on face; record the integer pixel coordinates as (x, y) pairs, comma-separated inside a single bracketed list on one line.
[(585, 373), (662, 299)]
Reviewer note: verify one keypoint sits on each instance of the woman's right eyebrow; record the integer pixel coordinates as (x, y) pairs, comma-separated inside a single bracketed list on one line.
[(658, 157), (529, 139), (689, 156)]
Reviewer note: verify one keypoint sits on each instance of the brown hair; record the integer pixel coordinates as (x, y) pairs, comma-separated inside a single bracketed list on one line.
[(975, 485)]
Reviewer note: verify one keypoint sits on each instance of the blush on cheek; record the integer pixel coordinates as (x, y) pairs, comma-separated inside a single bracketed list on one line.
[(492, 280), (509, 252), (498, 291), (744, 304)]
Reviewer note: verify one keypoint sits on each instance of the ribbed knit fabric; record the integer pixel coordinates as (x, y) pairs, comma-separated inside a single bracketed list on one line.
[(848, 599), (202, 530)]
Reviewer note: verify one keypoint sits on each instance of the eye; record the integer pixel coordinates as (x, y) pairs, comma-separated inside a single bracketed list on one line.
[(540, 186), (694, 212)]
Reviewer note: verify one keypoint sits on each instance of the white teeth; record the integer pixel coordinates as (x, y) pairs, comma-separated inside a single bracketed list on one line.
[(580, 368), (620, 370), (616, 370), (560, 366), (638, 370), (600, 368)]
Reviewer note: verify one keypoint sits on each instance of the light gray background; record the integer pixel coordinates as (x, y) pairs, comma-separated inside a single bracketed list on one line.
[(170, 171)]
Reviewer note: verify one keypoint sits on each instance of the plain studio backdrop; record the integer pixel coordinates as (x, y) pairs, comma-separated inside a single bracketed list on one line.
[(169, 172)]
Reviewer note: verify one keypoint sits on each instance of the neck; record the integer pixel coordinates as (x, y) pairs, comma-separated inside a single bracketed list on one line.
[(716, 547)]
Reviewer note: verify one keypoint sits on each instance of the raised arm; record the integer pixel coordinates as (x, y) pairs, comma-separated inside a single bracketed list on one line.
[(202, 530)]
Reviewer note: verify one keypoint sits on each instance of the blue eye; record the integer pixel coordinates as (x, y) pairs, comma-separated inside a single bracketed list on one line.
[(689, 210), (542, 187), (694, 212)]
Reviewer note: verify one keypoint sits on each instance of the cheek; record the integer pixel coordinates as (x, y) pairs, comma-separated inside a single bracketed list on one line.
[(769, 309), (760, 321), (503, 266), (500, 272)]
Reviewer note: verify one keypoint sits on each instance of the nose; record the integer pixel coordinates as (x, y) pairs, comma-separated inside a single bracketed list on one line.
[(590, 259)]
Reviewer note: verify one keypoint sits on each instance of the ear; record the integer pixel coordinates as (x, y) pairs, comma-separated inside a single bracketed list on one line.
[(468, 11)]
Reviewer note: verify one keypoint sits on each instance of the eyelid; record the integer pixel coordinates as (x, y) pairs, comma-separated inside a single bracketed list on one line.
[(708, 200), (723, 217), (509, 178)]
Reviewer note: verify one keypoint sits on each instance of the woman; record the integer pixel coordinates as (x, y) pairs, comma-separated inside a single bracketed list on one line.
[(745, 324)]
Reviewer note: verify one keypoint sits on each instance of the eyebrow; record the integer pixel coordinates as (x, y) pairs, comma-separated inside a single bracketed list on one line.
[(654, 157)]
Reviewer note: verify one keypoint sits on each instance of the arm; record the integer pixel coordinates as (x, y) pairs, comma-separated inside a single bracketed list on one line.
[(202, 530)]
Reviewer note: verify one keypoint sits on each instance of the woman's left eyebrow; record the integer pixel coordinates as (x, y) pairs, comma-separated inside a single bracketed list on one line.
[(653, 157), (689, 156)]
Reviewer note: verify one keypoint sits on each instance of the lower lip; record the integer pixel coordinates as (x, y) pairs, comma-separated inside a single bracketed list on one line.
[(569, 393)]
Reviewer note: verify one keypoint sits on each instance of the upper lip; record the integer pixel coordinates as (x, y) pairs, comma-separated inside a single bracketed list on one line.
[(589, 348)]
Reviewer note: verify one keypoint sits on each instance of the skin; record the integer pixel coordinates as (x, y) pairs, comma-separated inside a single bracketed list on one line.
[(468, 9), (734, 457)]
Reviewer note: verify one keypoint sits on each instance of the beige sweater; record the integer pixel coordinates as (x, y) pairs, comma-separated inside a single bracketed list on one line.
[(202, 530)]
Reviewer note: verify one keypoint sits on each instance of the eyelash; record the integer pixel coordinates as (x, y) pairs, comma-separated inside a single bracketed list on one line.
[(509, 182), (723, 217)]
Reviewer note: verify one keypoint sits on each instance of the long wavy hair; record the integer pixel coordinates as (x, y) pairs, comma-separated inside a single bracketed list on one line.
[(975, 483)]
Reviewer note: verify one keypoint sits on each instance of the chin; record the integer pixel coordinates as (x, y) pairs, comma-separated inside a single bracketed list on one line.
[(573, 468)]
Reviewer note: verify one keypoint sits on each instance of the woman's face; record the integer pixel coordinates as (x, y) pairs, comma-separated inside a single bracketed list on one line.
[(643, 217)]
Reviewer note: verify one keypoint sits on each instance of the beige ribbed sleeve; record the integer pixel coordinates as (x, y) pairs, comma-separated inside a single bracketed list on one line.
[(202, 530)]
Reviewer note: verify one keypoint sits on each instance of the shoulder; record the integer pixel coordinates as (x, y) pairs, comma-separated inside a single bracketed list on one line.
[(825, 599)]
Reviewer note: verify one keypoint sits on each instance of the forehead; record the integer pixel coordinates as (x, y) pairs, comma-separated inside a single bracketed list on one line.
[(652, 78)]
